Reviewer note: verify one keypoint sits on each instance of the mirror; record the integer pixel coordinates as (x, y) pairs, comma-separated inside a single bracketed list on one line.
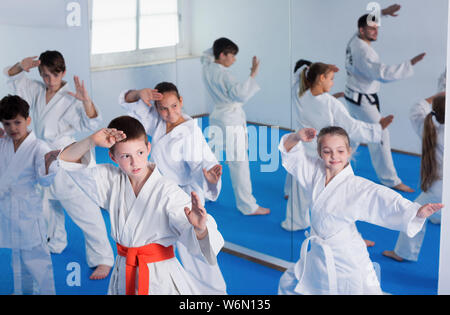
[(286, 32)]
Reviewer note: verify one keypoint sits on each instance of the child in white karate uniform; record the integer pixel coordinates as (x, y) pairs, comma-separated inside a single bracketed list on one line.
[(25, 165), (149, 213), (338, 262), (182, 154), (427, 118), (229, 97), (315, 108), (57, 115)]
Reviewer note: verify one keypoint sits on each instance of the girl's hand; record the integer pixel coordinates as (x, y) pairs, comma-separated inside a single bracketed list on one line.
[(107, 137), (427, 210), (197, 216), (29, 63), (213, 175), (147, 95), (307, 134)]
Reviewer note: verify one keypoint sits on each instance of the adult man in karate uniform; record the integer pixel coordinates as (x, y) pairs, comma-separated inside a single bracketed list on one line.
[(365, 72)]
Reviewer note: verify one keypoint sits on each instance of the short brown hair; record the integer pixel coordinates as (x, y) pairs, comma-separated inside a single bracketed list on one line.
[(12, 106), (132, 128), (53, 60)]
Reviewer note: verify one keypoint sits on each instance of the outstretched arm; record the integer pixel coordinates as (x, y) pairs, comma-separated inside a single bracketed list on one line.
[(105, 138), (391, 10), (429, 209)]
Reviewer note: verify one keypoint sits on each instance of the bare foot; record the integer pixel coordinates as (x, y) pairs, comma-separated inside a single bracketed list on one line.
[(101, 272), (261, 211), (392, 254), (403, 187), (369, 243), (286, 197)]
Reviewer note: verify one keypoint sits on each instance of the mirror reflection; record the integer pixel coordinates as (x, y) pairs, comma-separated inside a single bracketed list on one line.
[(228, 115)]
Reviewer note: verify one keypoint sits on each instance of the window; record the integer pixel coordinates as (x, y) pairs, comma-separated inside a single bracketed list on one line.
[(127, 32)]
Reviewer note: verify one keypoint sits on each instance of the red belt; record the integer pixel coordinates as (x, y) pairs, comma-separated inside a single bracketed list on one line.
[(140, 257)]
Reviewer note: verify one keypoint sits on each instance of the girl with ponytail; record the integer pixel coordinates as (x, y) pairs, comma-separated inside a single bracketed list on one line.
[(314, 107), (427, 118)]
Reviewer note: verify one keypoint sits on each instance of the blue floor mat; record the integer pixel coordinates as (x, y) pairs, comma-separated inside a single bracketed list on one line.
[(264, 234)]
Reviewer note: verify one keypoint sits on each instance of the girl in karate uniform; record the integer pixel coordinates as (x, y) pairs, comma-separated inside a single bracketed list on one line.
[(427, 118), (146, 211), (315, 108), (57, 115), (338, 262), (25, 164), (182, 154)]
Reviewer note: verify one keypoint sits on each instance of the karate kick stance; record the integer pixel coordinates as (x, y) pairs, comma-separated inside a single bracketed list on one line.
[(338, 262), (229, 97), (365, 73), (25, 164), (315, 108), (428, 120), (57, 114), (182, 154), (149, 213)]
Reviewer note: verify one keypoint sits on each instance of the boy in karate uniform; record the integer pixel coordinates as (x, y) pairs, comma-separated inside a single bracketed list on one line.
[(365, 73), (229, 96), (148, 212), (57, 115), (25, 164)]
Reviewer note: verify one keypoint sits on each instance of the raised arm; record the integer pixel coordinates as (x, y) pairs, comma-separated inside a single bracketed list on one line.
[(83, 96), (25, 65), (105, 138), (304, 135)]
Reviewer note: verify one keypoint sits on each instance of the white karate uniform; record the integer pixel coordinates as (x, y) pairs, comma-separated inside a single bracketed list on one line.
[(156, 215), (365, 73), (56, 123), (318, 112), (229, 96), (442, 81), (22, 222), (181, 156), (407, 247), (338, 262)]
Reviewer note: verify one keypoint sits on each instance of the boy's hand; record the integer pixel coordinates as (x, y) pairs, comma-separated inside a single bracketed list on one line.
[(391, 10), (107, 137), (339, 95), (29, 63), (255, 67), (81, 92), (2, 133), (197, 216), (147, 95), (417, 58), (213, 175), (307, 134), (49, 158)]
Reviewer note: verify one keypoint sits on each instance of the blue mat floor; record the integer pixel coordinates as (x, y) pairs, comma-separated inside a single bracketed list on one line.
[(264, 234)]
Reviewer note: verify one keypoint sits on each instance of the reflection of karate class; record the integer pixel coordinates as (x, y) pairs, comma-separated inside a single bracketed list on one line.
[(142, 180)]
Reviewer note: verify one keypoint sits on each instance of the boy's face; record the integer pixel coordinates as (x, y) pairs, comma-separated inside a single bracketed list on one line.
[(52, 81), (369, 33), (335, 152), (17, 128), (169, 107), (132, 157), (227, 60)]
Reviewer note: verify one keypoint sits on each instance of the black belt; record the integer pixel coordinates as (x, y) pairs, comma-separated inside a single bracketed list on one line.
[(372, 98)]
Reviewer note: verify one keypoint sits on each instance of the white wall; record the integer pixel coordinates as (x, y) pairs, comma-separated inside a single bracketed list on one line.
[(27, 28), (322, 29), (258, 27)]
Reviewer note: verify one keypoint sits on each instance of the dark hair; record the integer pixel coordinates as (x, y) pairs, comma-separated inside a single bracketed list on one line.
[(167, 87), (334, 131), (12, 106), (428, 165), (53, 60), (224, 45), (362, 21), (300, 63), (310, 74), (132, 128)]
